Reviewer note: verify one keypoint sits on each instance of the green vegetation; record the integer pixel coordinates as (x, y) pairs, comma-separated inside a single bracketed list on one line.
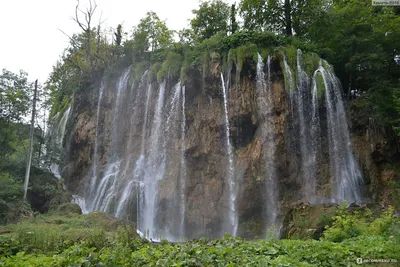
[(44, 189), (246, 52), (171, 67), (99, 240)]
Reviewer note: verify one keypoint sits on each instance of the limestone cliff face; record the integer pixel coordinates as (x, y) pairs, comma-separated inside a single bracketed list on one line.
[(378, 152), (80, 130), (109, 125)]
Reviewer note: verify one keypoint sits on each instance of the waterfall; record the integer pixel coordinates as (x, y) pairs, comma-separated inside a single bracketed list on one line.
[(127, 192), (345, 172), (289, 82), (307, 145), (156, 157), (154, 170), (231, 171), (315, 143), (81, 203), (265, 104), (129, 181), (58, 135), (96, 156), (105, 189), (182, 174), (140, 164)]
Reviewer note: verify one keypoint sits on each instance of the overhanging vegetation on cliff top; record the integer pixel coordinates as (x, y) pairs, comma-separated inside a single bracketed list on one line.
[(337, 31)]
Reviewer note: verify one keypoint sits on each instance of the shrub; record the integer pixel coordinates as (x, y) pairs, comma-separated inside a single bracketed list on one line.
[(10, 197), (171, 66)]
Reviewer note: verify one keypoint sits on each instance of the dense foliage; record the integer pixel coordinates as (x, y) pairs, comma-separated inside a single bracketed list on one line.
[(16, 94), (99, 240)]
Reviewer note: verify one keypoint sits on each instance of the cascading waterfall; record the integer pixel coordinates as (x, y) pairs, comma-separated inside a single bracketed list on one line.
[(58, 135), (289, 82), (105, 188), (231, 169), (96, 156), (80, 201), (182, 174), (170, 136), (307, 149), (143, 150), (140, 164), (154, 171), (265, 104), (346, 174), (315, 142), (130, 181)]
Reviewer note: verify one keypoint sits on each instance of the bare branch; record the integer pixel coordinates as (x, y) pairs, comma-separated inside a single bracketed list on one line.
[(69, 37)]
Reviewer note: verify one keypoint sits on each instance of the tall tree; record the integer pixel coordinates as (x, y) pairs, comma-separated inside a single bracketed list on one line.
[(118, 35), (234, 24), (211, 18), (14, 106), (282, 16), (31, 140), (151, 33), (253, 13), (86, 27)]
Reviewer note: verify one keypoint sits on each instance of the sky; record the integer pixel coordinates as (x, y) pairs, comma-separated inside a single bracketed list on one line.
[(31, 39)]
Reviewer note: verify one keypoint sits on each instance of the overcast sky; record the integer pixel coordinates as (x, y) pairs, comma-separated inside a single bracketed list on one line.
[(31, 41)]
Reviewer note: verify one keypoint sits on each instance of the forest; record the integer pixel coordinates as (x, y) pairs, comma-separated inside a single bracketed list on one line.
[(360, 41)]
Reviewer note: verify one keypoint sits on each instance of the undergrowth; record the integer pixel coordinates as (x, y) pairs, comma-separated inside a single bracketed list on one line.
[(99, 240)]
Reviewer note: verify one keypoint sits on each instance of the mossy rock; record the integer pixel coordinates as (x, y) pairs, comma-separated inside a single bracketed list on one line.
[(68, 208), (246, 52), (154, 69), (320, 85), (311, 61), (139, 69)]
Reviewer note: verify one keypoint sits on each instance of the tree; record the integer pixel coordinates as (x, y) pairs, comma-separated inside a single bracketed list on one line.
[(234, 24), (14, 105), (86, 28), (151, 34), (186, 36), (253, 13), (14, 95), (286, 17), (211, 18), (118, 35)]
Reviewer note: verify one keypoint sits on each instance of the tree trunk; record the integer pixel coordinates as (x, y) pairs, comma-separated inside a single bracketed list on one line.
[(28, 164)]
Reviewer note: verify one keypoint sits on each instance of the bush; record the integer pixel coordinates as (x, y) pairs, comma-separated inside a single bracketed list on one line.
[(346, 225), (10, 197), (171, 67)]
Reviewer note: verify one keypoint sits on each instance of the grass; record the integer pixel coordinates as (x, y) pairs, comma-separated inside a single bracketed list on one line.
[(98, 240)]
